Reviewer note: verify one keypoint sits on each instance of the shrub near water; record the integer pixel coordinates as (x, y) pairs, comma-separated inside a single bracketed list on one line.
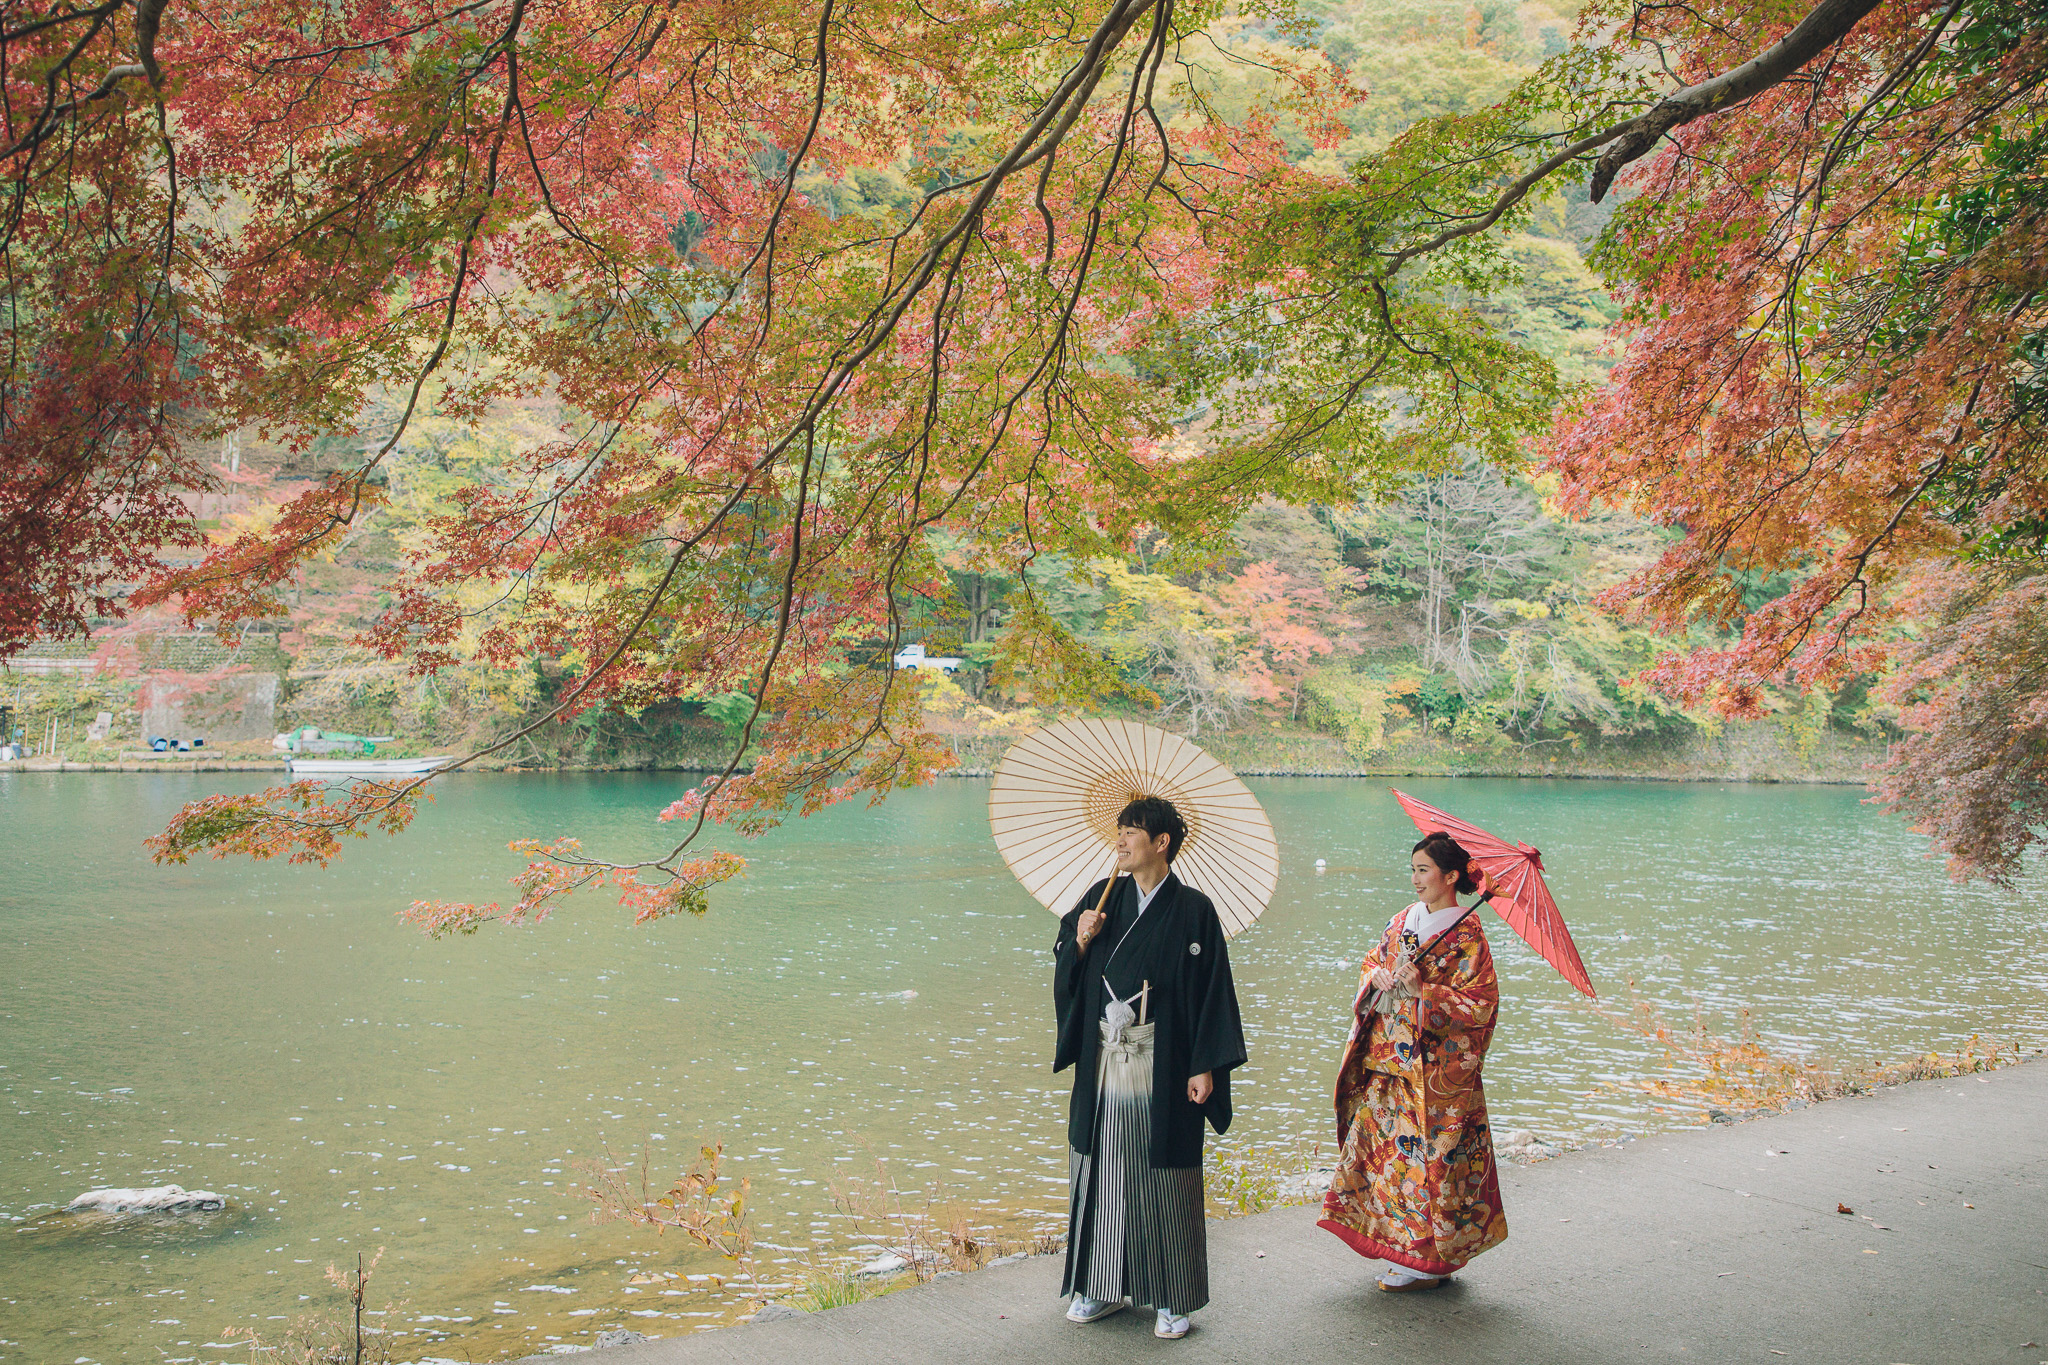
[(1242, 1181), (330, 1339)]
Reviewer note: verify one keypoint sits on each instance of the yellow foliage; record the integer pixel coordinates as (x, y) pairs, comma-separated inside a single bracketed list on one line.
[(1808, 722), (1526, 611), (1355, 707), (942, 695)]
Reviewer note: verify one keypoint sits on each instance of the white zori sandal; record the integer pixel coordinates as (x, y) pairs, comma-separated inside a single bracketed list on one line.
[(1399, 1280)]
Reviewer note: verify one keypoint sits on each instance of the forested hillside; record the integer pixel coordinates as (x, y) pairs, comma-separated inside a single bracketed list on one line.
[(1448, 623)]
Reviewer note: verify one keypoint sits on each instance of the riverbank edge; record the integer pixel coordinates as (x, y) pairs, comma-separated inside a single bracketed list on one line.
[(1305, 1184), (945, 1307), (215, 765)]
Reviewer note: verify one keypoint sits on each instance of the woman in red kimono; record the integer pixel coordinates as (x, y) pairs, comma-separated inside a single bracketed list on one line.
[(1415, 1183)]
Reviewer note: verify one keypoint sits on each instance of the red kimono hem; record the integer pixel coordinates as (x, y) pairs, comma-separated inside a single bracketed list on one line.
[(1366, 1246)]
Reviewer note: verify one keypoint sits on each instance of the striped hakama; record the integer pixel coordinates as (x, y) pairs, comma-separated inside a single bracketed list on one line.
[(1133, 1231)]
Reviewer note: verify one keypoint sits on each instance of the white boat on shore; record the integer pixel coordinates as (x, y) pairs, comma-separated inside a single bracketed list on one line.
[(322, 766)]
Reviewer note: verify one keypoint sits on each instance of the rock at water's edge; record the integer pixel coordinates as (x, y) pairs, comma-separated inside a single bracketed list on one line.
[(884, 1265), (159, 1199), (1307, 1186)]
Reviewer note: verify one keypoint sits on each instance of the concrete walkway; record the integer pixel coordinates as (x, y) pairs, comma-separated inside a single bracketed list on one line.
[(1715, 1245)]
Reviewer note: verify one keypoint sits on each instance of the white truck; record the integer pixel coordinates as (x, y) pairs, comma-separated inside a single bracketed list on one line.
[(913, 656)]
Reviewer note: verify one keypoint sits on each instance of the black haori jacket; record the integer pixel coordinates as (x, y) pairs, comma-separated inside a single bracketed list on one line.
[(1177, 945)]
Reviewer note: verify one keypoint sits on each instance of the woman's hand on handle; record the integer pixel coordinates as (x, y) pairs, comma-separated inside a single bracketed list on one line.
[(1201, 1087)]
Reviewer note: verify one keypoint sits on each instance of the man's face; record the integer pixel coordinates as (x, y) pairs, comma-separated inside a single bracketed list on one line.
[(1136, 849)]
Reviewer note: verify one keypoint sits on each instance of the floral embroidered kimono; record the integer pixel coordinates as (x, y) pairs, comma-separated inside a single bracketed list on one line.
[(1415, 1181)]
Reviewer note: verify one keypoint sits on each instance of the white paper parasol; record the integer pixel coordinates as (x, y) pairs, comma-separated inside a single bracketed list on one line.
[(1054, 802)]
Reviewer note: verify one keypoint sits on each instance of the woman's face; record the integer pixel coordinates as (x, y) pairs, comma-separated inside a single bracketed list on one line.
[(1431, 882)]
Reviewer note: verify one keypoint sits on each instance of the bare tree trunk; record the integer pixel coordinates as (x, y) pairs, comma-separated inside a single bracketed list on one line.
[(977, 610)]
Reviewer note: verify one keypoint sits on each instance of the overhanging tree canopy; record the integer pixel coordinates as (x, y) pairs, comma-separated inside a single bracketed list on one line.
[(271, 212)]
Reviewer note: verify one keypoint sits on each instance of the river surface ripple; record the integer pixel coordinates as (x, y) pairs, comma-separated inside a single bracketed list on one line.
[(871, 998)]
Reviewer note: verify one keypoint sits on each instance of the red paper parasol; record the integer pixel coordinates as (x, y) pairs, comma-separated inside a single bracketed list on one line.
[(1514, 874)]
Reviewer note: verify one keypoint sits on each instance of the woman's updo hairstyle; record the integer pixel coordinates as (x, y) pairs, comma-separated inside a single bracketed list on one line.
[(1449, 855)]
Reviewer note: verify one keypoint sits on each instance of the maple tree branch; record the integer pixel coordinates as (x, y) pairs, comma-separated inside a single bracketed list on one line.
[(1860, 564), (44, 124), (1039, 139), (1628, 141), (771, 238), (15, 35), (1825, 25), (934, 270), (1816, 238), (401, 793), (1515, 193), (784, 611), (659, 593), (503, 45), (1049, 355), (148, 16), (382, 40)]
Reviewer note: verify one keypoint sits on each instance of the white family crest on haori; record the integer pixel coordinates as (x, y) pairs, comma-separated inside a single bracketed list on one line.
[(1054, 802)]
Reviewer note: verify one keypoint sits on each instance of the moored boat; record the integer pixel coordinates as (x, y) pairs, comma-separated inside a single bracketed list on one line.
[(362, 767)]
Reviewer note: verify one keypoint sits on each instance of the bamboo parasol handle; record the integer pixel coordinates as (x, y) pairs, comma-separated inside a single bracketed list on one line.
[(1103, 899), (1107, 887)]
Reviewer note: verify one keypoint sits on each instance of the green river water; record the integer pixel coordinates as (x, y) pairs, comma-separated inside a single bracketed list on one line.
[(874, 991)]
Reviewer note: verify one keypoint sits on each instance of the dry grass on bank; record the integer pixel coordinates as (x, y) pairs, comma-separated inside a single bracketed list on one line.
[(331, 1337), (927, 1235), (1721, 1077)]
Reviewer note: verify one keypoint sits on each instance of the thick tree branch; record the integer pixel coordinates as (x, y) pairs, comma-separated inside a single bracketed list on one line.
[(1826, 25), (148, 16)]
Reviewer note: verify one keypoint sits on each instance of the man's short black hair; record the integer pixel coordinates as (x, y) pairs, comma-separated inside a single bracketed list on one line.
[(1156, 816)]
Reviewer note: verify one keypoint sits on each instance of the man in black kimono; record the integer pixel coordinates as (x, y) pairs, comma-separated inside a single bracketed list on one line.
[(1148, 1020)]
